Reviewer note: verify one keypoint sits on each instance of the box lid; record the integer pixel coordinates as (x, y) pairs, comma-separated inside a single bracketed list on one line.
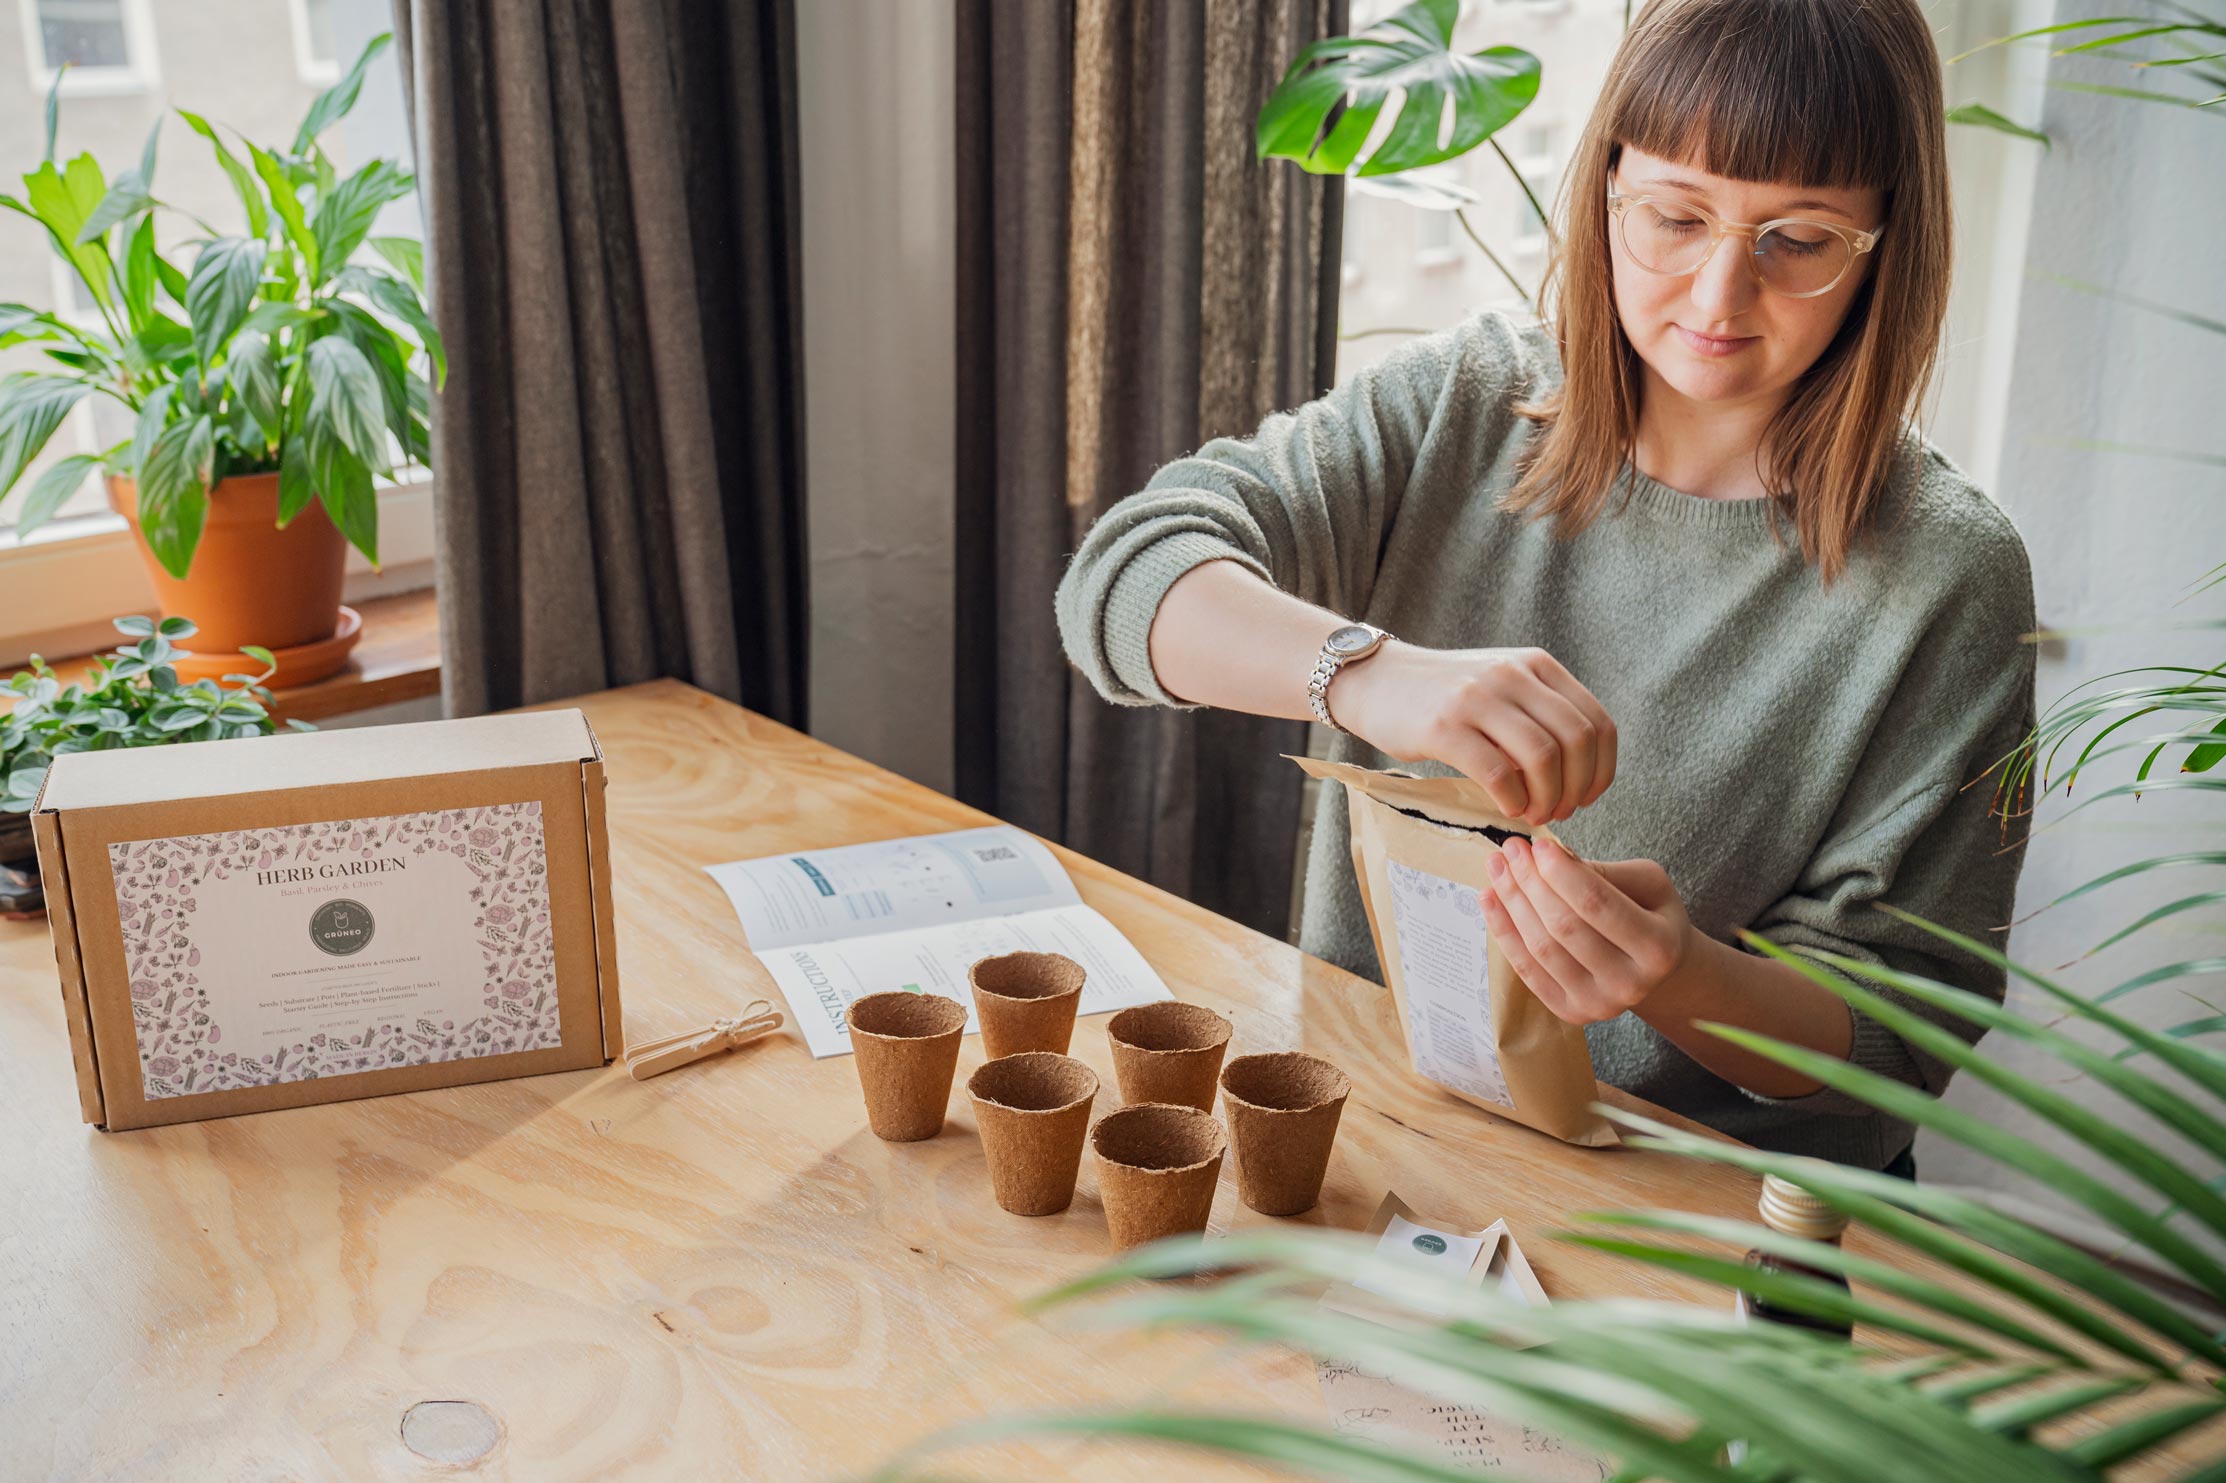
[(268, 764)]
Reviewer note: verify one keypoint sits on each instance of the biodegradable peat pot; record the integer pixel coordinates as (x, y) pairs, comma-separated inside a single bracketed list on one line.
[(1026, 1001), (1168, 1052), (1283, 1111), (906, 1047), (252, 583), (1033, 1110), (20, 894), (1157, 1166)]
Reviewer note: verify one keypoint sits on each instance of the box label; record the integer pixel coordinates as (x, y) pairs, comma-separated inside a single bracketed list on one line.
[(260, 956)]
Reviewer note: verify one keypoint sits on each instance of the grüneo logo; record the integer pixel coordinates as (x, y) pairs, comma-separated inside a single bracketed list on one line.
[(1430, 1245), (341, 927)]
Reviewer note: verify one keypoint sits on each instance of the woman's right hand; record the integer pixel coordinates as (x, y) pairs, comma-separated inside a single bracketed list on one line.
[(1513, 719)]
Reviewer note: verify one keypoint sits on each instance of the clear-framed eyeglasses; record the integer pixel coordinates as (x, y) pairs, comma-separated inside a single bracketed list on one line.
[(1791, 256)]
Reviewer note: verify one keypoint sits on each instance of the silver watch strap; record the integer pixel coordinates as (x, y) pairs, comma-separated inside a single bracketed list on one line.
[(1329, 663), (1317, 687)]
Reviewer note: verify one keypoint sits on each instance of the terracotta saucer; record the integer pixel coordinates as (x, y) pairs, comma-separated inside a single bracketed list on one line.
[(299, 665)]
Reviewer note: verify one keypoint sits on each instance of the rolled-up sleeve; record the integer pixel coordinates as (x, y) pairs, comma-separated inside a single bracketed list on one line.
[(1304, 502)]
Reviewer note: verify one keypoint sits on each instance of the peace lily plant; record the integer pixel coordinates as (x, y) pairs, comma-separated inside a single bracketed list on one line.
[(282, 349)]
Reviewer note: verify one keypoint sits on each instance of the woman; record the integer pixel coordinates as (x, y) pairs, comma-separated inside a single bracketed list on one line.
[(1674, 572)]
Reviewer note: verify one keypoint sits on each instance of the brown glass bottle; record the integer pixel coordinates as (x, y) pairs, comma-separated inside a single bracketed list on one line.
[(1793, 1210)]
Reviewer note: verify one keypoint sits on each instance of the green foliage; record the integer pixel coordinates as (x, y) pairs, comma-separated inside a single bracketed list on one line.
[(2192, 47), (2188, 45), (1328, 102), (1981, 116), (1322, 112), (132, 698), (271, 351)]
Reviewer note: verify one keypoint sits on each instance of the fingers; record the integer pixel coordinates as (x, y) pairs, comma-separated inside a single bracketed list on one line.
[(1534, 749), (1539, 743), (1496, 729), (1469, 752), (1635, 906), (1599, 730), (1575, 739), (1588, 889), (1501, 924), (1585, 967)]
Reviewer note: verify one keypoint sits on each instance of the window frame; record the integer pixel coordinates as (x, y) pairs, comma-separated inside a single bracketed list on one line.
[(141, 72), (1538, 170), (70, 578), (308, 66)]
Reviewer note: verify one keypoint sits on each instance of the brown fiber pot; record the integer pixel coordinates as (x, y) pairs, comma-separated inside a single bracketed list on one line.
[(253, 583)]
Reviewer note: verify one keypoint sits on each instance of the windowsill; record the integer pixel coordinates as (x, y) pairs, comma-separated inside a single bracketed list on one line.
[(398, 659), (77, 576)]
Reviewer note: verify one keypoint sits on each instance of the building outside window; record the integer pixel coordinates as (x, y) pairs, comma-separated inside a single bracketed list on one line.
[(98, 46)]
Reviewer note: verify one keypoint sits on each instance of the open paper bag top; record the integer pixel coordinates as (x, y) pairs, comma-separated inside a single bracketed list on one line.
[(1458, 801)]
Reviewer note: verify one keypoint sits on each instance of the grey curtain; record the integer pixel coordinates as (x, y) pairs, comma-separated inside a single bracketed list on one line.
[(1132, 283), (612, 227)]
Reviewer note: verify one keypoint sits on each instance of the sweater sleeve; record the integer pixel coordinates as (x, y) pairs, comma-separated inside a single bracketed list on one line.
[(1305, 503), (1918, 826)]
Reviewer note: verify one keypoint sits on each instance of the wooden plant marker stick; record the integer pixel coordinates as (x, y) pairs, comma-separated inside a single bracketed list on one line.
[(758, 1019)]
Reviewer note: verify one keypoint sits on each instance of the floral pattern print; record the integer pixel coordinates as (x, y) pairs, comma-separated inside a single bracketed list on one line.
[(181, 1049)]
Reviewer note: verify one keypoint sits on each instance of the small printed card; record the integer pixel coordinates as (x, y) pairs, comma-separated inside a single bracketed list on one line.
[(1371, 1406), (260, 956)]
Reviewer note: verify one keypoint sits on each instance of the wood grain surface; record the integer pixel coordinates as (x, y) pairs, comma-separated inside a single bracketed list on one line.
[(718, 1273)]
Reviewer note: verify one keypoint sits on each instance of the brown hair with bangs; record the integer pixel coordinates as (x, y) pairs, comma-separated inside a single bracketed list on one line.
[(1810, 92)]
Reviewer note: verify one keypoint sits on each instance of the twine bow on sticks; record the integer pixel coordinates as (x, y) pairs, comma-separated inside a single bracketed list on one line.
[(758, 1019)]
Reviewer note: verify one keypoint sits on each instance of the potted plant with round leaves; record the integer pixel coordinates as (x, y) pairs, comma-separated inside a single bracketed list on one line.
[(265, 384), (132, 697)]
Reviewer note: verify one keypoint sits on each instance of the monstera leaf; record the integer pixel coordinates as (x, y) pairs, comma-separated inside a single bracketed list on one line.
[(1322, 113)]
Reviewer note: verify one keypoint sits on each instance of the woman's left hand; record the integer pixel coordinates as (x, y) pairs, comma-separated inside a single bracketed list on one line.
[(1591, 938)]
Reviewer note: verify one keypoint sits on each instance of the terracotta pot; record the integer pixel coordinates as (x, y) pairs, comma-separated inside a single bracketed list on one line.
[(253, 583)]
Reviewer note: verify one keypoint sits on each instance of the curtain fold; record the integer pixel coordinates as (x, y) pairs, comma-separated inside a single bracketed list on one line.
[(1132, 283), (612, 252)]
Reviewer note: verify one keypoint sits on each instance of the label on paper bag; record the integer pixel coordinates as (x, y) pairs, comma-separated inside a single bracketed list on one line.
[(260, 956), (1445, 949)]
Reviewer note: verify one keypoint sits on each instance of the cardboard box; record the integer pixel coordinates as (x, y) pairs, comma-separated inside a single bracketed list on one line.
[(277, 921)]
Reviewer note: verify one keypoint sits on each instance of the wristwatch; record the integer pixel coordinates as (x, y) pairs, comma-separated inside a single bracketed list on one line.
[(1355, 641)]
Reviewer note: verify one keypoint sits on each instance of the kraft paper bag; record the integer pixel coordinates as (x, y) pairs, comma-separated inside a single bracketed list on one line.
[(1472, 1026)]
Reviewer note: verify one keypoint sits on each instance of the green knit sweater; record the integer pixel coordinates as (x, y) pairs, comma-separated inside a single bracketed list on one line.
[(1789, 754)]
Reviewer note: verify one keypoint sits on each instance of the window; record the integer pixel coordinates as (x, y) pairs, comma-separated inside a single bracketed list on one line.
[(1413, 269), (1433, 237), (79, 434), (107, 46), (316, 51), (251, 72), (1536, 156)]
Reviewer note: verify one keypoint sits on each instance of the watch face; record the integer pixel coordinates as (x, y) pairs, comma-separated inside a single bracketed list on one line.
[(1352, 639)]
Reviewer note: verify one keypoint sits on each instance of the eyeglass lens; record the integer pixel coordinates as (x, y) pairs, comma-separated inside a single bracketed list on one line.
[(1794, 258)]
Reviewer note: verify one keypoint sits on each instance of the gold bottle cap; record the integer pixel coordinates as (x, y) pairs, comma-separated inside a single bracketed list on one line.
[(1789, 1208)]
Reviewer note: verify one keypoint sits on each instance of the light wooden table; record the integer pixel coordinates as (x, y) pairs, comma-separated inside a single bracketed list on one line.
[(718, 1273)]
